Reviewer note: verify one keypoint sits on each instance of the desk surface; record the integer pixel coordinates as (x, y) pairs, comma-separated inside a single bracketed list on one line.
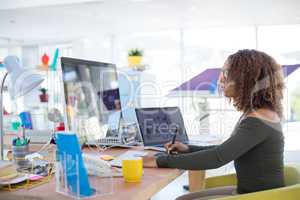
[(152, 182)]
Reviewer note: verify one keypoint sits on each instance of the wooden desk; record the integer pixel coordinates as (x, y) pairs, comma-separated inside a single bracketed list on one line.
[(152, 182)]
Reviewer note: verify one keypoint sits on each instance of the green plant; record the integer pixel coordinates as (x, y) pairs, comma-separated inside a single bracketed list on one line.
[(43, 90), (136, 52)]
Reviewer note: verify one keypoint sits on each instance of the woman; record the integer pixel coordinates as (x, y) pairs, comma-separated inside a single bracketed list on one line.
[(253, 82)]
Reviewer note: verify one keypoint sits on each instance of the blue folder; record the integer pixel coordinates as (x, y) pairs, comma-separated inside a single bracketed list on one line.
[(70, 157)]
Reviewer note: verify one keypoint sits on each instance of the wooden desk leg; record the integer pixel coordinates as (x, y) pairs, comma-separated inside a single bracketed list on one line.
[(196, 180)]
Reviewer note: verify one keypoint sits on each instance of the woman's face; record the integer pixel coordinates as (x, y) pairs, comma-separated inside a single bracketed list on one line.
[(225, 84)]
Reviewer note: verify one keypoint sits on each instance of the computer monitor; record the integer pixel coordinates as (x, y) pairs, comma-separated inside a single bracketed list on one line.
[(158, 125), (91, 95)]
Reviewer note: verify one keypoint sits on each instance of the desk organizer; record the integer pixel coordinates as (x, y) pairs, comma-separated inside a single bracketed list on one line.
[(25, 179), (73, 180), (19, 153)]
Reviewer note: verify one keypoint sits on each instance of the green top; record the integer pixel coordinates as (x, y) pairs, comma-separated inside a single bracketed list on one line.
[(256, 146)]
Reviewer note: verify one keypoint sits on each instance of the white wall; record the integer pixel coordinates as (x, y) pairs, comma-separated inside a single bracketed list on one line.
[(17, 51), (3, 53), (98, 49), (30, 56)]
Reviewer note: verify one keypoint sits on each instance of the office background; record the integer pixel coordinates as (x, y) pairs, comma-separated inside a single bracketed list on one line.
[(180, 40)]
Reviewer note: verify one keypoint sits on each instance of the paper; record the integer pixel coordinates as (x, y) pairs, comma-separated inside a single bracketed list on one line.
[(107, 157), (34, 177), (127, 156), (20, 178), (32, 156)]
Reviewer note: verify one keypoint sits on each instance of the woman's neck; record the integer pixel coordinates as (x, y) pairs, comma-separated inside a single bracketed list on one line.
[(265, 114)]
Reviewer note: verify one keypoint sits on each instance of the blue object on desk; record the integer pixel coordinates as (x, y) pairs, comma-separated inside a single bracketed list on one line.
[(26, 120), (69, 152)]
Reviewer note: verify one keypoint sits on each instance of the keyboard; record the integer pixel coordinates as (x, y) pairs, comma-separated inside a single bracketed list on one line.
[(109, 141)]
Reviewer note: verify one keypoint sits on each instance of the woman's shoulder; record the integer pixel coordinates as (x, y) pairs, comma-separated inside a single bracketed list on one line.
[(260, 123), (266, 115)]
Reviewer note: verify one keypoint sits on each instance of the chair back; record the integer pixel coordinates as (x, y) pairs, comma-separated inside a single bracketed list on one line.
[(291, 174)]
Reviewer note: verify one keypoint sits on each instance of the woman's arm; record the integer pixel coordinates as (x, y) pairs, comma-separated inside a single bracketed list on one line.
[(247, 135), (194, 148)]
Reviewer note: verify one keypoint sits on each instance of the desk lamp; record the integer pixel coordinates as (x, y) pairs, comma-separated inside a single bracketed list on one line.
[(22, 81)]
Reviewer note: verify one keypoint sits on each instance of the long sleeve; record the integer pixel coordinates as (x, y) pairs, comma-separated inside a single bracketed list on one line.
[(194, 148), (245, 136)]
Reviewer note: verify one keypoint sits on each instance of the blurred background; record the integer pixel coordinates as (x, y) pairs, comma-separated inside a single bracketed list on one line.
[(180, 39)]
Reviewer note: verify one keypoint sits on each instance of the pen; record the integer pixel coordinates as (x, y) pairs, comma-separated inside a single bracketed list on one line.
[(173, 139)]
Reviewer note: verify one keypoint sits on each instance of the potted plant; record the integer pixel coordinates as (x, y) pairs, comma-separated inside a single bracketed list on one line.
[(44, 96), (135, 57)]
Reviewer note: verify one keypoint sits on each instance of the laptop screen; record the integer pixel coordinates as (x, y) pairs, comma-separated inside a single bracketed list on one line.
[(158, 125)]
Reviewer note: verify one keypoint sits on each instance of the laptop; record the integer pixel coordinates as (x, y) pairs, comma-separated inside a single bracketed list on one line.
[(158, 125)]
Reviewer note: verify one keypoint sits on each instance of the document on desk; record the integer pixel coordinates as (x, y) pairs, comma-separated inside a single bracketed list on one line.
[(131, 154), (99, 167), (18, 179)]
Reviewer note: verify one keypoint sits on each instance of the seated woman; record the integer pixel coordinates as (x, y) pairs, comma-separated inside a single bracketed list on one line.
[(253, 82)]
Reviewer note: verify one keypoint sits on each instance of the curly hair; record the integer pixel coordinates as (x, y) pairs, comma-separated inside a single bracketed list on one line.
[(258, 81)]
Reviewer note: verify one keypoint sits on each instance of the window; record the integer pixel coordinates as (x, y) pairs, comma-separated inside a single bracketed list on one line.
[(283, 43)]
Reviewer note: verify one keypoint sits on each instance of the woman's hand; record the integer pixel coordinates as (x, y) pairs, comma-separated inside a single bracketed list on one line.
[(149, 161), (177, 146)]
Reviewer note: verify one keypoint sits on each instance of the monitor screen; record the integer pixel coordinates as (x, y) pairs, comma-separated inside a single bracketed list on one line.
[(158, 125), (91, 94)]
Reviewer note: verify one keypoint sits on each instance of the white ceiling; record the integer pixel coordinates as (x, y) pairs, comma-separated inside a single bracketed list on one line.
[(63, 20)]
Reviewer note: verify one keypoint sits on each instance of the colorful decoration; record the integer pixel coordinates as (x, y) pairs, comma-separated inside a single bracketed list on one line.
[(45, 62), (26, 120), (54, 63), (44, 96), (135, 57), (45, 59), (60, 127)]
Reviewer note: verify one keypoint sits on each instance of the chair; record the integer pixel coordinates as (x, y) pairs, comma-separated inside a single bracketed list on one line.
[(290, 192)]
